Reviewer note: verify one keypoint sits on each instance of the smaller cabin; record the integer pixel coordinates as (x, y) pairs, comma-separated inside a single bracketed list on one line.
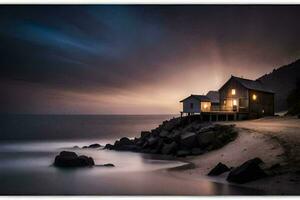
[(195, 104)]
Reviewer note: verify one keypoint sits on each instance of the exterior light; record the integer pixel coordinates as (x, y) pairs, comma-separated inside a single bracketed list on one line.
[(205, 106), (233, 91), (234, 102), (254, 97)]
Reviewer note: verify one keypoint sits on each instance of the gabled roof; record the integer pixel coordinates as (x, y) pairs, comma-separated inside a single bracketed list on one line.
[(202, 98), (213, 96), (251, 85)]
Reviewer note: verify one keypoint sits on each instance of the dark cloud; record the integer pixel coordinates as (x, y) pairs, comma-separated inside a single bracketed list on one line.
[(96, 50)]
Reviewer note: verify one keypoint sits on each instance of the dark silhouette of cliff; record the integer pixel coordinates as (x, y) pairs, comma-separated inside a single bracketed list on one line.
[(282, 81)]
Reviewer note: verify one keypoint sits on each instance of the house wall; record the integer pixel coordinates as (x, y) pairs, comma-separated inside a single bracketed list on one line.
[(241, 96), (262, 106), (187, 105)]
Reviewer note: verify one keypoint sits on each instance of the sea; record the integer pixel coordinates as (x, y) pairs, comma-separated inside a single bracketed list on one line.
[(29, 144)]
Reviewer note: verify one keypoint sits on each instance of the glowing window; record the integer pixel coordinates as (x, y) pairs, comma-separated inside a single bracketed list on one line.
[(233, 91), (254, 97), (234, 102), (224, 102)]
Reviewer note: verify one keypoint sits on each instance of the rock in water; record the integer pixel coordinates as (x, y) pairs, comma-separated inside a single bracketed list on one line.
[(220, 168), (248, 171), (109, 146), (94, 145), (71, 159), (108, 165), (85, 161), (123, 141)]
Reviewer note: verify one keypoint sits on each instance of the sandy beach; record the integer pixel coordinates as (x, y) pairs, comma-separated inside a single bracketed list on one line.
[(273, 139)]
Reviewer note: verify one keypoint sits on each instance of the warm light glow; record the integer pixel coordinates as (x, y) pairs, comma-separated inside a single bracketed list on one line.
[(233, 91), (224, 102), (234, 102), (254, 97), (205, 106)]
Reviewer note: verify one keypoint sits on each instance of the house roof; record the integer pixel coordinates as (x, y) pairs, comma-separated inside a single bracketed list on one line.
[(213, 96), (198, 97), (252, 85)]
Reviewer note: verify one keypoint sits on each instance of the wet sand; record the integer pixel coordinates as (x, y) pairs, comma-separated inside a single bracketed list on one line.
[(276, 140)]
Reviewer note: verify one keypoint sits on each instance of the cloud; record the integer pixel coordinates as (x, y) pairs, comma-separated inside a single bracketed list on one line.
[(146, 57)]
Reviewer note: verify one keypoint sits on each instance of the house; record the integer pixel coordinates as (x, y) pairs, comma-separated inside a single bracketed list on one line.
[(214, 98), (238, 98), (196, 104), (247, 97)]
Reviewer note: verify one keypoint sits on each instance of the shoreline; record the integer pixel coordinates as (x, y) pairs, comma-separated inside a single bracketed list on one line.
[(257, 138)]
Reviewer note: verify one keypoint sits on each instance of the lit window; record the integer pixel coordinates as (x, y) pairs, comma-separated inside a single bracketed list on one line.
[(224, 102), (254, 97), (205, 106), (233, 91), (234, 102)]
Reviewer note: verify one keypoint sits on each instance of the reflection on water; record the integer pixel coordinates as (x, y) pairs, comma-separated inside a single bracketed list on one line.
[(26, 169)]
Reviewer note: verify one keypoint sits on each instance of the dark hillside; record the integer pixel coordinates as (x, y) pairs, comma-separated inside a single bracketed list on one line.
[(282, 81)]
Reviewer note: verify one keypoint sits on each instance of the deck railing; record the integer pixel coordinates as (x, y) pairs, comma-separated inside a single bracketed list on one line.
[(221, 109)]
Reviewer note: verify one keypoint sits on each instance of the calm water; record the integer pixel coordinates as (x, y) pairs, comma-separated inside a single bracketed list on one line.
[(29, 144)]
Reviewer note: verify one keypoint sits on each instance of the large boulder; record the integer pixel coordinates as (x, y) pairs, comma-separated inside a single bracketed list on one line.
[(206, 128), (158, 146), (122, 142), (126, 141), (220, 168), (171, 124), (71, 159), (248, 171), (183, 153), (197, 151), (188, 140), (145, 134), (163, 133), (206, 138), (169, 148), (151, 141)]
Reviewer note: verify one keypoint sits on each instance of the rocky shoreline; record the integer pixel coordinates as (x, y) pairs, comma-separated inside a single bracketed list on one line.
[(178, 137)]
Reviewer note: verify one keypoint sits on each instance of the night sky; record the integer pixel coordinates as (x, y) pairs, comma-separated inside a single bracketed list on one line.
[(135, 59)]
